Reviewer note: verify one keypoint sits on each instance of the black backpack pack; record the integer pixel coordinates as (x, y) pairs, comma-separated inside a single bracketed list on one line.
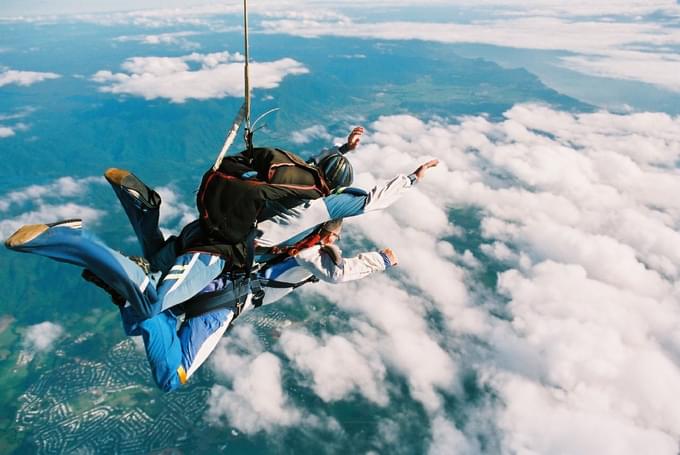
[(231, 198)]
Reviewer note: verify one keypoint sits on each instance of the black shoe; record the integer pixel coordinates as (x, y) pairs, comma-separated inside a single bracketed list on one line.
[(116, 298), (133, 186)]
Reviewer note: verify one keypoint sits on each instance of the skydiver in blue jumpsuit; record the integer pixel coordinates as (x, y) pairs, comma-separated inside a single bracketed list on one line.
[(175, 354)]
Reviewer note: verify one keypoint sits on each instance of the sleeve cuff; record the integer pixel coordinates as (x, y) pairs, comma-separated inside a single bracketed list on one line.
[(385, 259), (412, 178)]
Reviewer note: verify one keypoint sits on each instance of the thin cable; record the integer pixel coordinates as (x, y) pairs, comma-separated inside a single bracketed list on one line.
[(246, 68)]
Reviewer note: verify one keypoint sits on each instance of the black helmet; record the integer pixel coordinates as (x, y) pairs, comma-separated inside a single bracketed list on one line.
[(336, 170)]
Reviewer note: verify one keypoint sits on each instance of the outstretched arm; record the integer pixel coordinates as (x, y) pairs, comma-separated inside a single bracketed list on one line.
[(327, 264), (295, 223), (381, 197)]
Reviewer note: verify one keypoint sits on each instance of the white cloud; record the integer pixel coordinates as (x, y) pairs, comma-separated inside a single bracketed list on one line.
[(253, 399), (49, 213), (256, 401), (157, 14), (9, 131), (538, 421), (176, 38), (234, 353), (338, 366), (655, 68), (24, 78), (632, 9), (152, 13), (60, 188), (60, 200), (389, 325), (220, 74), (174, 214), (513, 31), (351, 56), (447, 439), (21, 113), (309, 134), (195, 15), (42, 337)]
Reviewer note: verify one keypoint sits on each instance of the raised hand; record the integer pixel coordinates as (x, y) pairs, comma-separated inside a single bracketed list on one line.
[(420, 172), (354, 137)]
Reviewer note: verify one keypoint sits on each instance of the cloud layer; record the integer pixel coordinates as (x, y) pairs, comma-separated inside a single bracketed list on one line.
[(632, 46), (579, 333), (626, 40), (194, 76), (577, 208)]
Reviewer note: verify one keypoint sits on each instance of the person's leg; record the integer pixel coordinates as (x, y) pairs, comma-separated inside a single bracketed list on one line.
[(164, 258), (199, 336), (67, 242), (163, 350), (141, 205), (175, 356)]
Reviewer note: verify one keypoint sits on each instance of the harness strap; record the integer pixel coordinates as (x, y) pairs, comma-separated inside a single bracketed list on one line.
[(250, 249), (232, 296), (283, 285), (235, 294), (258, 292)]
